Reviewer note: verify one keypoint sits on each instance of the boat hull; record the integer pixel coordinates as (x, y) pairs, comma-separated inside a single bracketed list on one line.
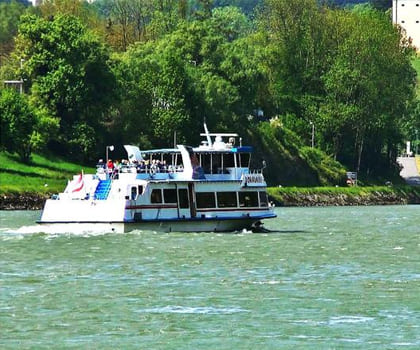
[(190, 225)]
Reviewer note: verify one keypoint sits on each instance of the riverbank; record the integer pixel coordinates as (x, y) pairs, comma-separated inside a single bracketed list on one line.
[(22, 201), (341, 196), (281, 196)]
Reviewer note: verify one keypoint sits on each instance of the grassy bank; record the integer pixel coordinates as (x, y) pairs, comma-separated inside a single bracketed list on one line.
[(323, 196), (41, 176)]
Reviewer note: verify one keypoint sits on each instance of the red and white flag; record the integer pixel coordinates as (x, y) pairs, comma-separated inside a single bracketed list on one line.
[(78, 184)]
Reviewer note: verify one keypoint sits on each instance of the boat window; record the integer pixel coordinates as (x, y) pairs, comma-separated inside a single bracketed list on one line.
[(228, 160), (133, 193), (205, 200), (156, 196), (244, 160), (183, 198), (248, 199), (226, 200), (216, 163), (169, 195), (205, 162), (167, 159), (140, 190), (177, 160), (263, 199)]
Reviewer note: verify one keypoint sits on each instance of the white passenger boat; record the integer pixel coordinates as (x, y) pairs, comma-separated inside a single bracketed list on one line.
[(207, 188)]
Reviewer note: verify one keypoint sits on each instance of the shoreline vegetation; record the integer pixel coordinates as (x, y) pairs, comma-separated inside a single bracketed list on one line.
[(280, 196), (27, 186), (344, 196)]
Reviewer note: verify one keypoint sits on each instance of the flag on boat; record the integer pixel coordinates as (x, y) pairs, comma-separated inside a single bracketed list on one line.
[(78, 184)]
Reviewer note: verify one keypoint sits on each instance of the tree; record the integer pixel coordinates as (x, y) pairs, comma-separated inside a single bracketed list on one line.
[(152, 83), (22, 127), (130, 21), (17, 123), (348, 71), (369, 87), (207, 69), (9, 19), (67, 69)]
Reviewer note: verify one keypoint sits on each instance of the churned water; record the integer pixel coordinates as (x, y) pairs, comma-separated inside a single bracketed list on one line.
[(328, 278)]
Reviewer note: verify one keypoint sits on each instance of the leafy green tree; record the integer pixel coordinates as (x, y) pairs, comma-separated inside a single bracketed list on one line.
[(369, 89), (17, 123), (22, 127), (9, 20), (67, 70), (152, 99), (297, 36), (247, 6), (207, 69), (130, 21), (347, 71)]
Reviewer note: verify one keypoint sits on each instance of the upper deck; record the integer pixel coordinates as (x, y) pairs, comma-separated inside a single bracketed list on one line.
[(219, 158)]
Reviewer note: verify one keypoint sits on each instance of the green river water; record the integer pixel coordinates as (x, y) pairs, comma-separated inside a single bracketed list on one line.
[(327, 278)]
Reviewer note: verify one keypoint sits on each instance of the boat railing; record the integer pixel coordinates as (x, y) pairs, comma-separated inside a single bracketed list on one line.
[(136, 169)]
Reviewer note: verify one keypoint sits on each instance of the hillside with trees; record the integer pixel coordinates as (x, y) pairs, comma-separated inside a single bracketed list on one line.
[(283, 74)]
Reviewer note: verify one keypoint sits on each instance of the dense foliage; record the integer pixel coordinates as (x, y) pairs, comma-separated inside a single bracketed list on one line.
[(23, 128), (130, 71)]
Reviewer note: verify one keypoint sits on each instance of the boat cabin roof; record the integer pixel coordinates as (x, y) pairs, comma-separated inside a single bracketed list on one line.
[(243, 149)]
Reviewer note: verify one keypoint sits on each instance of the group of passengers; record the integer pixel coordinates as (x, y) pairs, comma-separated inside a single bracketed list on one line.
[(144, 166)]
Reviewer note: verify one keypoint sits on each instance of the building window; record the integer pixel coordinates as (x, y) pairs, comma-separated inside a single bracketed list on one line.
[(205, 200)]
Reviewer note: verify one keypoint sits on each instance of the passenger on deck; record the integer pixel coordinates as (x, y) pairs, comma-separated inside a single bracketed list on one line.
[(116, 169), (100, 164), (110, 166), (141, 167)]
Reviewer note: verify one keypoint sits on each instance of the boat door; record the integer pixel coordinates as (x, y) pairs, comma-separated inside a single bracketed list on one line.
[(191, 196)]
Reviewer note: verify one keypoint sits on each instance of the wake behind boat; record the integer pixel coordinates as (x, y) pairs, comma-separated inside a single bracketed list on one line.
[(209, 188)]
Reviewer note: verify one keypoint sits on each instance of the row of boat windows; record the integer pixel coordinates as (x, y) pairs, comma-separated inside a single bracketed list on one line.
[(212, 162), (210, 199)]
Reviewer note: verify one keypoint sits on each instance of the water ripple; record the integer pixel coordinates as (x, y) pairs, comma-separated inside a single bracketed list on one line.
[(349, 319), (204, 310)]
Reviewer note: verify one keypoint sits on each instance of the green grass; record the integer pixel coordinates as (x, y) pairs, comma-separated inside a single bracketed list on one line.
[(42, 175)]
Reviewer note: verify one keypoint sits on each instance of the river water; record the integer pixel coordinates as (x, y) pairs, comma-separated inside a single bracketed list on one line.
[(328, 278)]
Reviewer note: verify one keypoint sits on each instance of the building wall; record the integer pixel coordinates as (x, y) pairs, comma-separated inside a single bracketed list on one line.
[(406, 13)]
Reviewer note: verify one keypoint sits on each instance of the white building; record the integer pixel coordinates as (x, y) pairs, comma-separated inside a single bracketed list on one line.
[(406, 13)]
